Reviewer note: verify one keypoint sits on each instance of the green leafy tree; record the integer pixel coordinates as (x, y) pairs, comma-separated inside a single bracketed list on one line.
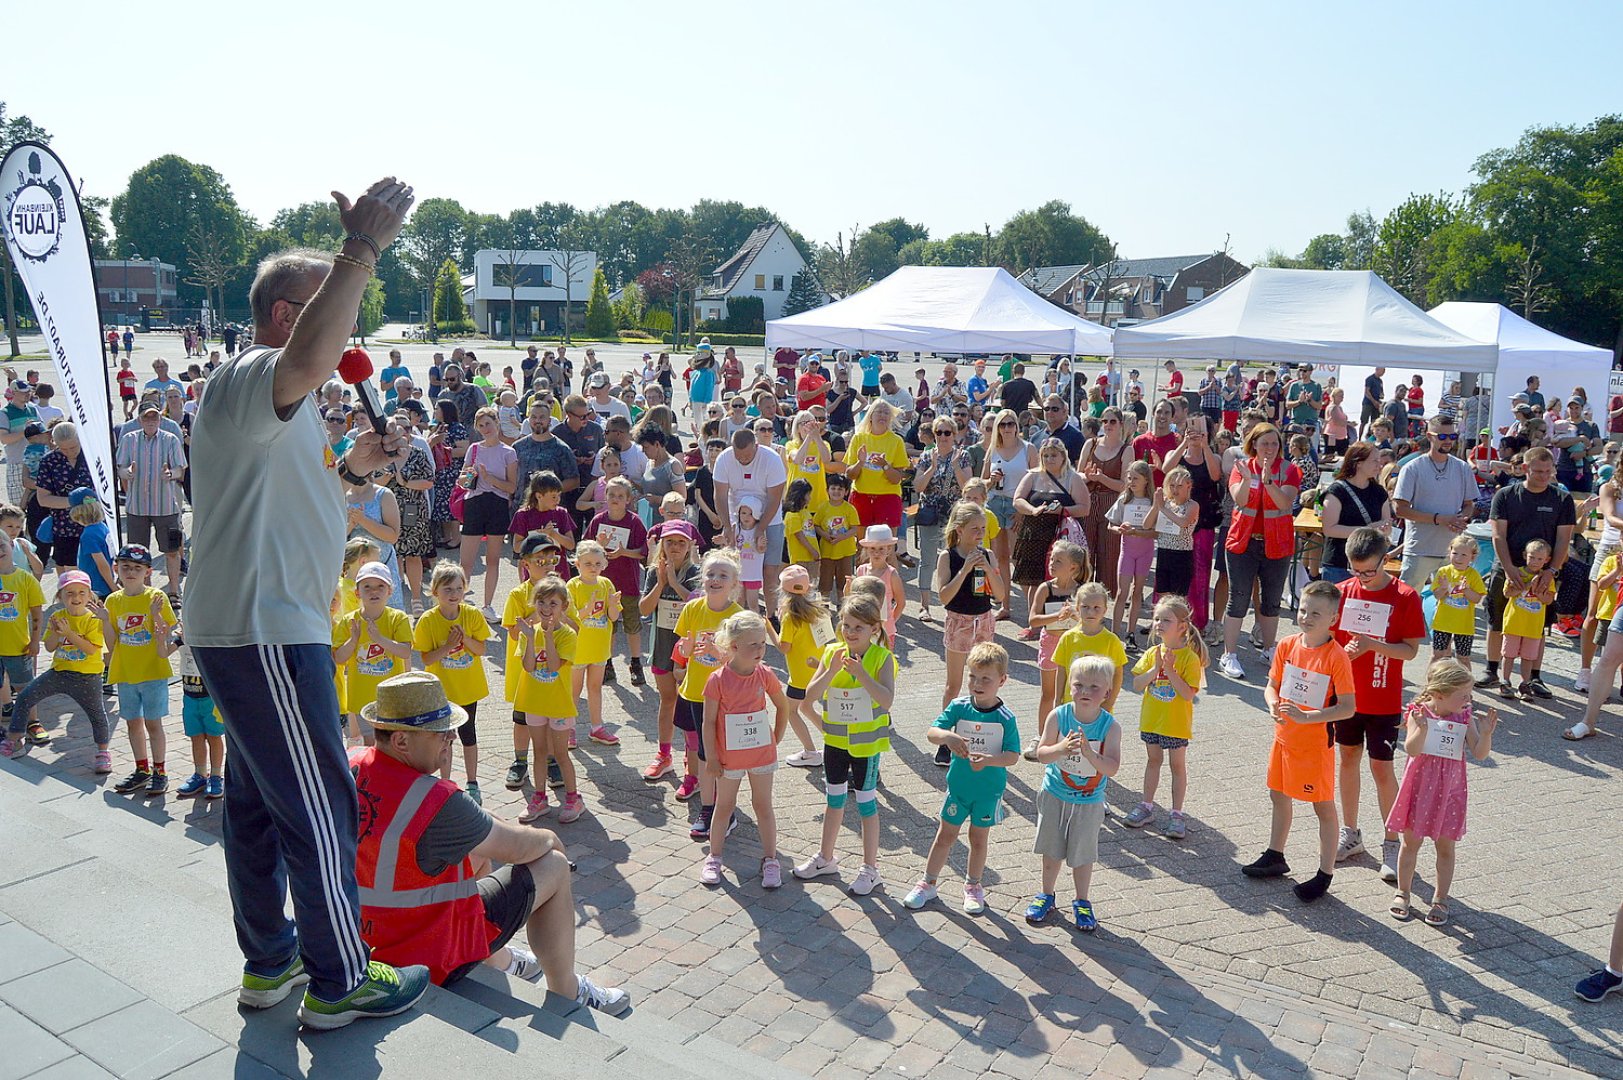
[(1404, 247), (1050, 235), (875, 255), (959, 249), (629, 310), (599, 312), (1327, 251), (169, 203), (838, 269), (436, 233), (371, 313), (804, 293), (311, 224), (450, 312)]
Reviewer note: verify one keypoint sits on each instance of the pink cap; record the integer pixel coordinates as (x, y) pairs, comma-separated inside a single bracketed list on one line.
[(72, 577), (795, 579)]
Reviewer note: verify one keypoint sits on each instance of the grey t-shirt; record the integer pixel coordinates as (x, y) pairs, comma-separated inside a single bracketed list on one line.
[(1425, 490), (460, 826), (269, 519)]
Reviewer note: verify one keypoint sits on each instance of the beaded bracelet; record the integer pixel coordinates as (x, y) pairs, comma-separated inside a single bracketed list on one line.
[(350, 260)]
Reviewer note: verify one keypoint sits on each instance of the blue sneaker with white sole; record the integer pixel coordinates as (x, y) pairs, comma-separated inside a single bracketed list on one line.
[(1085, 920), (386, 991)]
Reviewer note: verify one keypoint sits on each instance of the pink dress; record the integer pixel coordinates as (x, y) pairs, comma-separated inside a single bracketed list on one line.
[(1431, 799)]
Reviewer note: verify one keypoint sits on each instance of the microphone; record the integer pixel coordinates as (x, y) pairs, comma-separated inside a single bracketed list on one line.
[(355, 368)]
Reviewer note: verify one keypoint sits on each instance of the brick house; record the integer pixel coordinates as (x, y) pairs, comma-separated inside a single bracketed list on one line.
[(1138, 289)]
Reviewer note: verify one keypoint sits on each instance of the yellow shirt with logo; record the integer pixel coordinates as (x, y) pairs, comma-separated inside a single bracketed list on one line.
[(461, 672), (1455, 614), (1606, 601), (69, 657), (591, 603), (801, 464), (548, 693), (1076, 643), (801, 650), (20, 594), (1165, 711), (370, 663), (876, 452), (698, 623), (796, 522), (833, 517), (135, 651), (517, 608)]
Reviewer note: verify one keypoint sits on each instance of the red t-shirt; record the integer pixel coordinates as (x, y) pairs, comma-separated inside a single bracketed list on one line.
[(1380, 678), (126, 383), (1175, 383), (813, 381), (1616, 425), (1162, 445)]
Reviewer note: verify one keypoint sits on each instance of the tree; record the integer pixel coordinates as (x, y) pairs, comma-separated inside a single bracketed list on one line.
[(658, 283), (570, 258), (959, 249), (169, 201), (1050, 235), (1360, 236), (628, 312), (1403, 244), (875, 255), (1327, 251), (839, 270), (371, 313), (691, 258), (804, 293), (311, 224), (450, 313), (211, 266), (95, 206), (599, 311), (437, 232), (1527, 289)]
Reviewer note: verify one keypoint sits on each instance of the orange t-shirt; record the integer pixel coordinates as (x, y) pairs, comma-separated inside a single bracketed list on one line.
[(1312, 679)]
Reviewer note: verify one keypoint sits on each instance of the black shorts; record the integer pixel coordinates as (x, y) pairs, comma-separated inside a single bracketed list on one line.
[(468, 730), (1174, 570), (509, 897), (1458, 644), (1378, 735), (795, 693), (839, 767), (689, 714), (486, 514)]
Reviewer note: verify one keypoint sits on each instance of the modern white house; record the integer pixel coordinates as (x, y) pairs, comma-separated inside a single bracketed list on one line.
[(764, 266), (535, 284)]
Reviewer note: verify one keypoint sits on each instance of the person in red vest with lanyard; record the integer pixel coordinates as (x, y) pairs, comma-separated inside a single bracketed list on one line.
[(1261, 540), (423, 860)]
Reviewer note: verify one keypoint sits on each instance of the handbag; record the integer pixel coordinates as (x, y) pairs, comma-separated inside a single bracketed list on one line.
[(459, 494)]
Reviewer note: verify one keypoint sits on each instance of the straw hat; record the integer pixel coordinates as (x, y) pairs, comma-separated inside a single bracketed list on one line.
[(413, 701)]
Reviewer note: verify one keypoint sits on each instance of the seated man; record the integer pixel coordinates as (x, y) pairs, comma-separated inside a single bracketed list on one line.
[(424, 857)]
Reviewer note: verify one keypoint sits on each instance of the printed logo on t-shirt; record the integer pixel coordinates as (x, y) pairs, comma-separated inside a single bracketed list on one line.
[(1161, 690), (597, 616), (377, 661), (8, 607), (706, 656), (133, 631), (541, 674), (458, 659)]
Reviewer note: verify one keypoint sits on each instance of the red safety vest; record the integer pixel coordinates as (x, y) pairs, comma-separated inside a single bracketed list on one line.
[(1278, 530), (407, 916)]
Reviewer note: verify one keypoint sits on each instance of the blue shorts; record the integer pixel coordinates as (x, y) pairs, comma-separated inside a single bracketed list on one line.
[(199, 718), (144, 700), (980, 813), (1002, 507), (19, 669)]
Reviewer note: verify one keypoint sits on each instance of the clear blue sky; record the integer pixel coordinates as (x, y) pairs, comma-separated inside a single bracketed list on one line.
[(1168, 126)]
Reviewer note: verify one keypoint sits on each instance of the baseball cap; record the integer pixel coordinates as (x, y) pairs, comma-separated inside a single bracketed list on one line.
[(135, 553), (535, 543), (375, 570), (72, 577), (677, 528), (151, 407), (599, 378), (78, 495), (795, 580), (33, 428)]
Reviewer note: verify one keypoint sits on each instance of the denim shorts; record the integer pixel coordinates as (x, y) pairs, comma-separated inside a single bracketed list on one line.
[(144, 700), (1002, 507), (19, 669)]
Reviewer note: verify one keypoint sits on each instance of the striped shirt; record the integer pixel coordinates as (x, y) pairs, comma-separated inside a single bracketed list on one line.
[(149, 494)]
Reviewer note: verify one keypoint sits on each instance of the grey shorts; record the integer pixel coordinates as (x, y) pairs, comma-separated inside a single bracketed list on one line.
[(1068, 831), (165, 528)]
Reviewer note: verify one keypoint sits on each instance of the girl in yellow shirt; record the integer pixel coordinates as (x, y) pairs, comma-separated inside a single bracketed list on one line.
[(74, 635), (546, 694), (139, 622), (450, 637), (597, 608), (370, 644), (1169, 675), (720, 579), (807, 628)]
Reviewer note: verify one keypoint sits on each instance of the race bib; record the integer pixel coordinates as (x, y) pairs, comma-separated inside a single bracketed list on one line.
[(849, 705), (668, 612), (1078, 766), (1135, 514), (979, 734), (1366, 617), (748, 731), (822, 631), (1445, 739), (1054, 607), (1309, 689), (188, 666), (613, 537), (1165, 526)]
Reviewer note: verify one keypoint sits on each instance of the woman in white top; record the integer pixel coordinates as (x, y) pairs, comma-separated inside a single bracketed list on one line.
[(1008, 458)]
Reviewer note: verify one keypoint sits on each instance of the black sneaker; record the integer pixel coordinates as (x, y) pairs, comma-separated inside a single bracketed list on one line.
[(608, 673), (1487, 682), (157, 784), (943, 756), (1271, 864), (517, 773), (555, 775), (637, 677), (5, 710), (1537, 688), (136, 781)]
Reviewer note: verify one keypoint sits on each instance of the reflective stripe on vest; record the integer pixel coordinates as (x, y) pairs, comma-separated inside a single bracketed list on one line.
[(382, 892)]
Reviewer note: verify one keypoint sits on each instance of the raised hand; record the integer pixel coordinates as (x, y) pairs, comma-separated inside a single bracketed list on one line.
[(379, 213)]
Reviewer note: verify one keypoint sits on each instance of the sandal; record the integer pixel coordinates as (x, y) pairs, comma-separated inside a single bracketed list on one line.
[(1031, 633), (1438, 915), (1578, 731), (927, 615), (1400, 909)]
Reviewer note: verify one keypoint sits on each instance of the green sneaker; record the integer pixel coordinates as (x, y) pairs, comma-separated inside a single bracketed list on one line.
[(263, 991), (386, 991)]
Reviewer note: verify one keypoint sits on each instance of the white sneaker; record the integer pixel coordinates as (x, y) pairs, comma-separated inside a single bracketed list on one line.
[(490, 614), (919, 895), (1389, 861), (866, 881), (605, 999), (804, 759), (1581, 683), (817, 866), (525, 966), (1352, 843), (1229, 665), (1267, 656)]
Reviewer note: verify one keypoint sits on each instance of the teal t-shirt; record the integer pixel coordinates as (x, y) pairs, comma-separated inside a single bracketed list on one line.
[(964, 782), (1070, 781)]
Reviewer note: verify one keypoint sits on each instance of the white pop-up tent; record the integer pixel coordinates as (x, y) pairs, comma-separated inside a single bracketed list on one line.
[(943, 309), (1322, 316), (1561, 364)]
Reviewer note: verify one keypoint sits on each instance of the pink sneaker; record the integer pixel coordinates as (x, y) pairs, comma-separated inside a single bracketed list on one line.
[(571, 738), (603, 736), (16, 746), (771, 874), (661, 768), (573, 807), (688, 788), (537, 807), (710, 871), (104, 763)]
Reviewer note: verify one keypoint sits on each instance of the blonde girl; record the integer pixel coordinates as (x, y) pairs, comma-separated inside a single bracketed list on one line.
[(1169, 675), (1054, 611), (878, 545), (719, 585), (597, 606), (1431, 800), (740, 741), (1129, 518), (450, 640), (370, 644), (1008, 458), (545, 696), (806, 631), (357, 553), (670, 580), (1173, 521), (855, 681), (807, 458), (595, 498), (968, 582), (1458, 589)]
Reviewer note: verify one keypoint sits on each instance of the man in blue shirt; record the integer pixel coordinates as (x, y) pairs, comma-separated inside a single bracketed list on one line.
[(395, 370), (980, 391), (162, 382), (870, 365)]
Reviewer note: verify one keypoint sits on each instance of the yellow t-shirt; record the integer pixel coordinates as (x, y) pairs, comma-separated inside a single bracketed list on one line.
[(1456, 614), (461, 673), (1076, 643), (876, 452), (992, 527), (548, 693), (1605, 603), (20, 594), (835, 517), (518, 607), (370, 663), (1524, 614), (1165, 711), (801, 650), (69, 657), (135, 653), (698, 622), (814, 473), (595, 641), (794, 523)]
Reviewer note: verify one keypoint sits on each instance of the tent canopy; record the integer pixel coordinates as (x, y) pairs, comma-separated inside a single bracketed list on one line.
[(943, 309), (1320, 316), (1528, 349)]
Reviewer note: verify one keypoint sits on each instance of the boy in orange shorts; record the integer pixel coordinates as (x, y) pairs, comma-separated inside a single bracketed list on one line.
[(1310, 685)]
